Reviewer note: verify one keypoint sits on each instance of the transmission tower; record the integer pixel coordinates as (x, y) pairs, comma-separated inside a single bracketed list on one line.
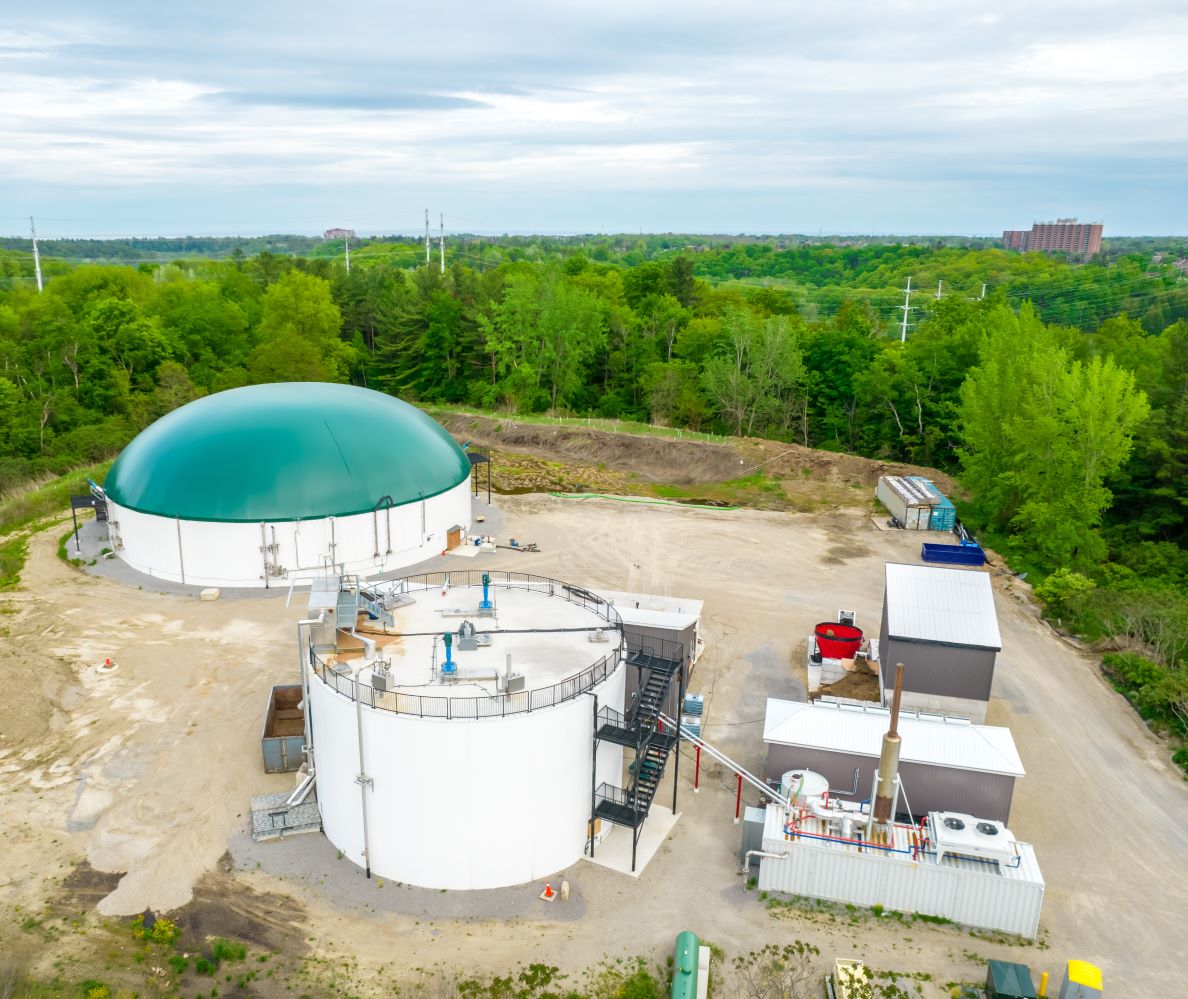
[(907, 304), (36, 255)]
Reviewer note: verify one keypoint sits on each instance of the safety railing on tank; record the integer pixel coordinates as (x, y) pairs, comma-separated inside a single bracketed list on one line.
[(494, 705)]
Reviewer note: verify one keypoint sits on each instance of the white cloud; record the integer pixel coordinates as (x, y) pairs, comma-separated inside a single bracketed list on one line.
[(480, 103)]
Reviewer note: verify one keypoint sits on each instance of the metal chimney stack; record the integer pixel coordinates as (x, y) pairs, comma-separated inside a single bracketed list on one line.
[(884, 805)]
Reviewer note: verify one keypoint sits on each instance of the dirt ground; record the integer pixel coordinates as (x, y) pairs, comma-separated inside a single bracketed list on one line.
[(148, 770), (531, 457)]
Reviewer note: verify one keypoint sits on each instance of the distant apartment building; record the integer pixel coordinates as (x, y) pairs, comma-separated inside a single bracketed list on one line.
[(1077, 239), (350, 234)]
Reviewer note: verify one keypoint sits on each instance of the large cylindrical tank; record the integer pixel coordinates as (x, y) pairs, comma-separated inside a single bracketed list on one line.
[(267, 484), (466, 786), (837, 641)]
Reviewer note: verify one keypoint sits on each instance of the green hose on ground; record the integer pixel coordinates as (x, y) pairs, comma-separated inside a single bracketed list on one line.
[(640, 499)]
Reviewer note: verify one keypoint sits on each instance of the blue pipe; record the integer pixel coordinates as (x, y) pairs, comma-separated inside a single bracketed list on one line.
[(486, 604), (447, 668)]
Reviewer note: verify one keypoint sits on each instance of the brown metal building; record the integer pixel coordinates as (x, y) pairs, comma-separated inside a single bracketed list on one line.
[(662, 624), (946, 764), (942, 625)]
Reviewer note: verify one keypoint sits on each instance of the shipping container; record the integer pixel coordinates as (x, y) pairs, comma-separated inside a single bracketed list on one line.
[(907, 501), (973, 893), (944, 514)]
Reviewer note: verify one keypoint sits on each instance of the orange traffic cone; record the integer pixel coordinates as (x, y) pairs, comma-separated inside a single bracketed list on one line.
[(548, 894)]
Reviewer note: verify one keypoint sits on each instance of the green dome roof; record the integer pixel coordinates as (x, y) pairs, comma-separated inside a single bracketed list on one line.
[(288, 451)]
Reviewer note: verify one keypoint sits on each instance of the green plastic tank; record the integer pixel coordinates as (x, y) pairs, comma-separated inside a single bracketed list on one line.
[(684, 966)]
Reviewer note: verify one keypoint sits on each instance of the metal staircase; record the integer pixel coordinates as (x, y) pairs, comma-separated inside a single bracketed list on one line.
[(355, 599), (644, 729)]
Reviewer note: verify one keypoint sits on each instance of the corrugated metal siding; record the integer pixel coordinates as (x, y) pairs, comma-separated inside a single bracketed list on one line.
[(907, 501), (928, 788), (946, 670), (968, 893), (948, 606)]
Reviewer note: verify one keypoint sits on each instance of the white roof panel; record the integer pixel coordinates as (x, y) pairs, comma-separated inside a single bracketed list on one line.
[(931, 739), (945, 606), (653, 610)]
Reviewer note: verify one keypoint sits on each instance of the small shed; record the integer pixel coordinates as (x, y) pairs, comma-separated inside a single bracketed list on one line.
[(946, 764), (659, 621), (942, 625)]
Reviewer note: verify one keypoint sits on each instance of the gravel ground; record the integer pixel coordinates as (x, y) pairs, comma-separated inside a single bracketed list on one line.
[(153, 766)]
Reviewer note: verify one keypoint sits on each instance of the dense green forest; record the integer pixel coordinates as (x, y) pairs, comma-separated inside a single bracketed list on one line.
[(1058, 394)]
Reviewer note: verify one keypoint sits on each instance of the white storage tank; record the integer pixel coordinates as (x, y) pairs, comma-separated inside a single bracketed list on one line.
[(798, 786), (263, 485), (477, 765)]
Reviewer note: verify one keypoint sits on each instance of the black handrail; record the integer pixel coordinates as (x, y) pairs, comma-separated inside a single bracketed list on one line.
[(494, 705)]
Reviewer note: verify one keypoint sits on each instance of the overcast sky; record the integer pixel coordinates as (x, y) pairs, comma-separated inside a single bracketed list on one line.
[(911, 117)]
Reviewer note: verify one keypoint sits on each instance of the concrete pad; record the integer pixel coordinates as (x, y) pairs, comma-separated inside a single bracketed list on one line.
[(468, 549), (614, 852)]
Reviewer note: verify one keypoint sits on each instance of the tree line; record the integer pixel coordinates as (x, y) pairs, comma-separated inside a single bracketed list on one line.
[(1073, 441)]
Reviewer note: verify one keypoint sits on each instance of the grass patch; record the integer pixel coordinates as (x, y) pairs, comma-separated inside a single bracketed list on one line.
[(22, 507), (64, 552), (13, 553)]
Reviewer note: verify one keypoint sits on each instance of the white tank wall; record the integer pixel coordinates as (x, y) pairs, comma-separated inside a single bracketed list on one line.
[(211, 553), (462, 804)]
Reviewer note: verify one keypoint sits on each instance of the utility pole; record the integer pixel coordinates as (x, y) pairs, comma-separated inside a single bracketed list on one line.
[(346, 243), (441, 243), (907, 304), (938, 290), (36, 255), (426, 237), (983, 294)]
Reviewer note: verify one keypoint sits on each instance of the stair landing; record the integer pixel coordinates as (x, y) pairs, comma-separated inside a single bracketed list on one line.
[(614, 852)]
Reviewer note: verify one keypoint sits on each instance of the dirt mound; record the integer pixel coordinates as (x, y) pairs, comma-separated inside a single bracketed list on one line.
[(661, 459), (676, 461)]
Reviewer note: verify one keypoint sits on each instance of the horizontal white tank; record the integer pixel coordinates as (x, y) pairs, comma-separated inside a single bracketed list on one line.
[(219, 553), (461, 802)]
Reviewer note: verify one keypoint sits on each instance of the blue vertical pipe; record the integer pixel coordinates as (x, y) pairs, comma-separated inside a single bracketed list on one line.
[(486, 604)]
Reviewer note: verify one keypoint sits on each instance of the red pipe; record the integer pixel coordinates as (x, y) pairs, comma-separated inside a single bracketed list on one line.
[(697, 772), (738, 800)]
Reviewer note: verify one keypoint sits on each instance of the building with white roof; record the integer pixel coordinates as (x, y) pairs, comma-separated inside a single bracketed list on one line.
[(942, 625), (662, 623), (946, 763)]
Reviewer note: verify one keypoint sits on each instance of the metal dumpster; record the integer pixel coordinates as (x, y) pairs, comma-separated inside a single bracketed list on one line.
[(953, 554), (284, 730)]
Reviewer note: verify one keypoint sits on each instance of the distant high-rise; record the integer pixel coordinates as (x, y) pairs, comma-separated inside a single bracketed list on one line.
[(1077, 239)]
